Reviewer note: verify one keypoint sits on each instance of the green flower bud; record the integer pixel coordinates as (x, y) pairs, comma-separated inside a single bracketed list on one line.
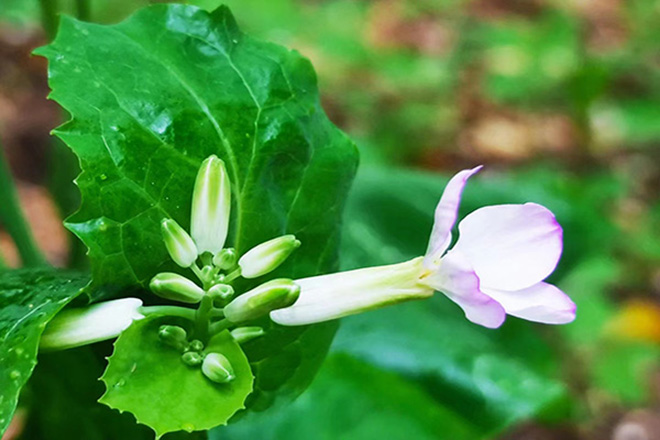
[(267, 256), (196, 345), (221, 294), (217, 368), (173, 335), (210, 206), (261, 300), (192, 358), (179, 244), (177, 288), (225, 259), (245, 334)]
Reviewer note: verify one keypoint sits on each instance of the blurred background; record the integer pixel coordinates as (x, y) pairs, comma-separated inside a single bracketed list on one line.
[(559, 99)]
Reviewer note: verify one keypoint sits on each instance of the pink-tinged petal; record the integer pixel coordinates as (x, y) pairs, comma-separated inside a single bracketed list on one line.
[(455, 278), (445, 217), (541, 302), (511, 247)]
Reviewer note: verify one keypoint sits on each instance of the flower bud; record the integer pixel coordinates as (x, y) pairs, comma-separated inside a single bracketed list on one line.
[(173, 335), (225, 259), (177, 288), (217, 368), (180, 246), (221, 294), (196, 345), (261, 300), (267, 256), (77, 327), (245, 334), (210, 206), (192, 358)]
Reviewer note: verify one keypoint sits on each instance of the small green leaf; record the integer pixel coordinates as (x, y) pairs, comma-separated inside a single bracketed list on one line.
[(28, 300), (149, 379)]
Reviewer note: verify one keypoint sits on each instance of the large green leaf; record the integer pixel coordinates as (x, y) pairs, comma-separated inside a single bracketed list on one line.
[(352, 400), (153, 96), (28, 300)]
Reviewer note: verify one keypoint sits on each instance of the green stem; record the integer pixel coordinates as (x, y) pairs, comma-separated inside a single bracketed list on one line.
[(49, 19), (232, 276), (83, 10), (202, 318), (216, 328), (217, 313), (12, 218), (198, 272), (181, 312)]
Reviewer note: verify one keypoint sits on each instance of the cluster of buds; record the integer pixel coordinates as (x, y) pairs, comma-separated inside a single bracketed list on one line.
[(203, 251)]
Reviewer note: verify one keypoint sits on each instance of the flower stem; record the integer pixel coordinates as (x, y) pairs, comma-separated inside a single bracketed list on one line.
[(49, 19), (83, 10), (202, 318), (216, 328), (181, 312), (12, 218), (232, 275)]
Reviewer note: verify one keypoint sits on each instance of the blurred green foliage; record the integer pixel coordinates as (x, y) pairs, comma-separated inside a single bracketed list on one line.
[(560, 99)]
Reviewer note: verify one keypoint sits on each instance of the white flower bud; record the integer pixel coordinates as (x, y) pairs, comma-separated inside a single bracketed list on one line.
[(77, 327), (210, 206), (261, 300), (179, 244), (176, 288), (267, 256), (217, 368)]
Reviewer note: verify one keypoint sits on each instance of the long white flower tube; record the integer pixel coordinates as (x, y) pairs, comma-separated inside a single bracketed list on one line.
[(337, 295), (497, 267)]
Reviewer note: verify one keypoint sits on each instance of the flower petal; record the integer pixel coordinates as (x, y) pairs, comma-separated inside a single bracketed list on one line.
[(456, 279), (445, 217), (333, 296), (511, 247), (541, 302)]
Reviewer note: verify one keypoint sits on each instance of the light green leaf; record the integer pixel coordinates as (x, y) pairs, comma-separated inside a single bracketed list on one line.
[(149, 379), (153, 96), (28, 300)]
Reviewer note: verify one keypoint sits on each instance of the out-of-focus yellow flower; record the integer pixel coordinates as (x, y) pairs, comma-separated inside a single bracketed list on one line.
[(638, 320)]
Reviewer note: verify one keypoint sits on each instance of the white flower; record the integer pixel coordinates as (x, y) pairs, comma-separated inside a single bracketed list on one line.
[(496, 267)]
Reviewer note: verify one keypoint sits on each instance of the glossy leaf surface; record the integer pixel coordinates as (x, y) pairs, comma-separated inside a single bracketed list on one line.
[(28, 300), (152, 97)]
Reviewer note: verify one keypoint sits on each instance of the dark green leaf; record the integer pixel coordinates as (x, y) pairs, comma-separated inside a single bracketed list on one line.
[(149, 379), (352, 400), (28, 300), (153, 96), (62, 396)]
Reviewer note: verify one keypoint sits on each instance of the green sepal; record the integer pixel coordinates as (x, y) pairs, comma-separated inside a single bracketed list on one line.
[(150, 380)]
